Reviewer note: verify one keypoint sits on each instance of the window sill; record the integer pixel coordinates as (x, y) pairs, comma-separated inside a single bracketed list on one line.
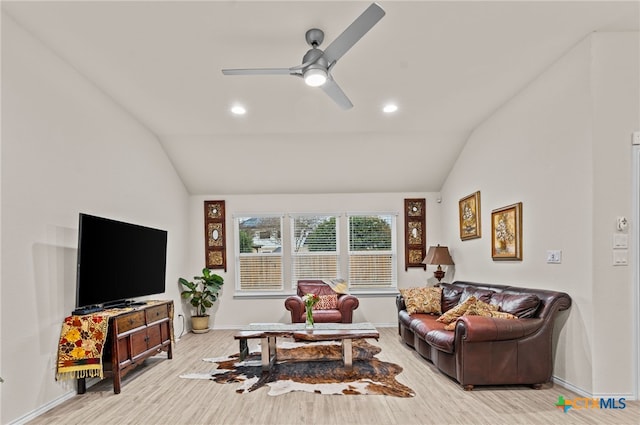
[(362, 293)]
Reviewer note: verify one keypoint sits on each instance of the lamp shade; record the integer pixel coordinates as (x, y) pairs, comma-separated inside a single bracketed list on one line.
[(438, 255)]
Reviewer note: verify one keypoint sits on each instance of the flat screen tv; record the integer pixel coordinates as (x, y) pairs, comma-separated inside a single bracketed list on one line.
[(118, 261)]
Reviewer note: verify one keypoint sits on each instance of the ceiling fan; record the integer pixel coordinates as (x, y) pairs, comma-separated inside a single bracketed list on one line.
[(317, 64)]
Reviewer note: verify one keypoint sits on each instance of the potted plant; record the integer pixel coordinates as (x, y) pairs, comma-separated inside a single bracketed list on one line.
[(201, 294)]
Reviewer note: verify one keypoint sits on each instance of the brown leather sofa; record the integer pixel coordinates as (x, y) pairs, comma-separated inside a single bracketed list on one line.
[(343, 313), (487, 350)]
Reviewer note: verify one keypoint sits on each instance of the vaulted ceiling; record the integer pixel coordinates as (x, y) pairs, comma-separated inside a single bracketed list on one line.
[(448, 65)]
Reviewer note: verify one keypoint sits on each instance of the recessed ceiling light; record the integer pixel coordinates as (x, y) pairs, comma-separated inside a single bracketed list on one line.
[(389, 108), (238, 110)]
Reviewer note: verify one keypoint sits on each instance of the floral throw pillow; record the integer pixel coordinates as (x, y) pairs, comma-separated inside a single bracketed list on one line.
[(479, 308), (457, 311), (422, 300), (326, 302)]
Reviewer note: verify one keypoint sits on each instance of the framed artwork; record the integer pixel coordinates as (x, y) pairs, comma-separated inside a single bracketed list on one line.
[(506, 233), (214, 235), (414, 233), (469, 208)]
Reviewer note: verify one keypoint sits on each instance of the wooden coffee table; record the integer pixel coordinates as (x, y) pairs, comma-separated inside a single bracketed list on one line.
[(269, 332)]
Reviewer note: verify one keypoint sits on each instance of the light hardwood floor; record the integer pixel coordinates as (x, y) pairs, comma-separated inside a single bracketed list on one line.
[(154, 394)]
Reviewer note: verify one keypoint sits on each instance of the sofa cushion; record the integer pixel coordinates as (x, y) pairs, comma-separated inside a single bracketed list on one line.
[(326, 302), (457, 311), (521, 305), (483, 295), (422, 300), (440, 339), (450, 296), (422, 324)]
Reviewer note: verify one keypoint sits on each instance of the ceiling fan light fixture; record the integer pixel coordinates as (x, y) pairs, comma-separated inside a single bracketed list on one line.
[(238, 110), (390, 108), (315, 77)]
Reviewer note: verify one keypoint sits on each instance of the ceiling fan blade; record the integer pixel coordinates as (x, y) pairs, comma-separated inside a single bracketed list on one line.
[(353, 33), (259, 71), (335, 92)]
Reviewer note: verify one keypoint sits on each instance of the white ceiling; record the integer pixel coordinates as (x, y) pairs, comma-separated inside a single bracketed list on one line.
[(448, 65)]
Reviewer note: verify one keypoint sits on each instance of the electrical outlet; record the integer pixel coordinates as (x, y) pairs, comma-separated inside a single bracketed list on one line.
[(554, 256)]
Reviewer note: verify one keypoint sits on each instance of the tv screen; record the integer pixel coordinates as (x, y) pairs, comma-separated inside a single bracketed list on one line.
[(118, 261)]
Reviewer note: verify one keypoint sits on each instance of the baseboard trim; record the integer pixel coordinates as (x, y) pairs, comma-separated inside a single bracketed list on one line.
[(561, 382), (44, 408)]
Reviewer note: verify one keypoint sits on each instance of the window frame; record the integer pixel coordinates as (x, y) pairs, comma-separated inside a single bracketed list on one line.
[(288, 282), (239, 290), (294, 254), (392, 283)]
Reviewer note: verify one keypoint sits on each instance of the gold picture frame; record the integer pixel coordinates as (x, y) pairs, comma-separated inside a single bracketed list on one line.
[(506, 233), (469, 213), (214, 235), (415, 233)]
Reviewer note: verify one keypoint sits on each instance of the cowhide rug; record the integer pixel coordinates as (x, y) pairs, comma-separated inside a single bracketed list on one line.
[(311, 367)]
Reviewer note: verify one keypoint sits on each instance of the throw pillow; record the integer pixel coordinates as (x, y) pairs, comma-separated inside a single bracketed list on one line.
[(451, 326), (326, 302), (479, 308), (503, 315), (339, 286), (457, 311), (422, 300)]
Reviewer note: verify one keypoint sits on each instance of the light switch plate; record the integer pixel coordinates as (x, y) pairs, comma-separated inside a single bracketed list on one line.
[(554, 256), (620, 241), (620, 257)]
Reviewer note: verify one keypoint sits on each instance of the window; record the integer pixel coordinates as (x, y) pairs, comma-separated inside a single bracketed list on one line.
[(259, 253), (314, 242), (272, 256), (372, 251)]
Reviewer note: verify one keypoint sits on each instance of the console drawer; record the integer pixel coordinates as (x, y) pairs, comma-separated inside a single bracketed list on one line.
[(157, 313), (130, 321)]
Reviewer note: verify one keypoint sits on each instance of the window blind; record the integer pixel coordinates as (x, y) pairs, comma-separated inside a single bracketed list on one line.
[(259, 253), (372, 251), (315, 247)]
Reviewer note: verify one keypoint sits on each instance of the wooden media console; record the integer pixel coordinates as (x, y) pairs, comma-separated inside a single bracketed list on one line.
[(135, 335)]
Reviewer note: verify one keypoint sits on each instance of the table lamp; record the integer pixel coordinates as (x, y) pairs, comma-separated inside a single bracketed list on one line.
[(438, 255)]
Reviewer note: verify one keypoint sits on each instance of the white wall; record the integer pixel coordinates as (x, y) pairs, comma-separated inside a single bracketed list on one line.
[(561, 147), (616, 109), (380, 310), (66, 148)]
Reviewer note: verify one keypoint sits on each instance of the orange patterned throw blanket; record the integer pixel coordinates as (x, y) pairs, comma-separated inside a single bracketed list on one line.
[(80, 349)]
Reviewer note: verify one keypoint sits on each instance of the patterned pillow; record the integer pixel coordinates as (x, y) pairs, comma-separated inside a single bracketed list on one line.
[(422, 300), (457, 311), (480, 308), (326, 302), (483, 309), (503, 315), (451, 326)]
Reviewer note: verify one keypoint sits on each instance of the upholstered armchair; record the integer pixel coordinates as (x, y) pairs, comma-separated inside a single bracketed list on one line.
[(326, 311)]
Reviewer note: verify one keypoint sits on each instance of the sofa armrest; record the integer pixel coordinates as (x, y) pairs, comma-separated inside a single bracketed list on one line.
[(295, 305), (479, 328), (400, 305), (346, 305)]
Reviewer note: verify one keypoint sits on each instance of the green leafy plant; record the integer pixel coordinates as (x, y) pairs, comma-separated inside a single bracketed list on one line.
[(203, 292)]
